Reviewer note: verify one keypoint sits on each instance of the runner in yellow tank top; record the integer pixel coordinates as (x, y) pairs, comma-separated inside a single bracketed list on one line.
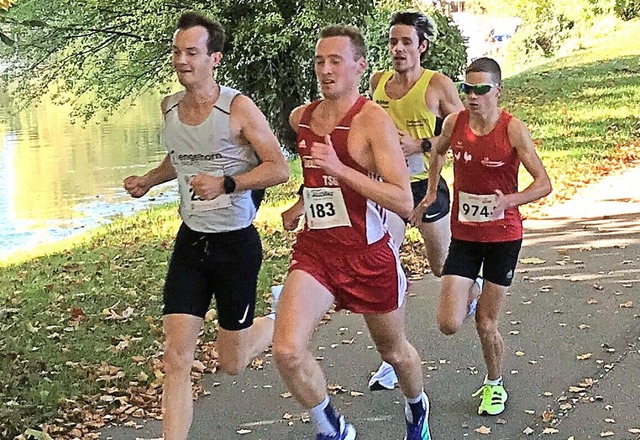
[(417, 100)]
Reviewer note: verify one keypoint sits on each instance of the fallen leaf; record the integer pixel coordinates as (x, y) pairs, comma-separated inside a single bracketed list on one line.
[(39, 435), (532, 260), (528, 431), (584, 357), (634, 430), (607, 434), (549, 431), (627, 305), (243, 431), (485, 430), (547, 415)]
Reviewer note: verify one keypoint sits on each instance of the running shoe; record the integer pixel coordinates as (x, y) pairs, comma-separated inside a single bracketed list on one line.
[(347, 432), (474, 304), (493, 399), (420, 430), (383, 379), (275, 296)]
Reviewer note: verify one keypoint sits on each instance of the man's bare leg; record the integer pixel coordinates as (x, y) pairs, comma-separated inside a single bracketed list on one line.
[(181, 334)]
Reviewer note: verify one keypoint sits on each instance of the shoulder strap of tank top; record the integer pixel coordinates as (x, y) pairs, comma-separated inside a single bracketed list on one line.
[(173, 101), (382, 82), (306, 115), (461, 121), (355, 108), (227, 94)]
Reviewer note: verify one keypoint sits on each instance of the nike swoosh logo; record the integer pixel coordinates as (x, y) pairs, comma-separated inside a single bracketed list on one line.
[(431, 215), (244, 317)]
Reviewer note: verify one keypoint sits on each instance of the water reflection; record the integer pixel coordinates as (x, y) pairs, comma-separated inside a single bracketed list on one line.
[(58, 178)]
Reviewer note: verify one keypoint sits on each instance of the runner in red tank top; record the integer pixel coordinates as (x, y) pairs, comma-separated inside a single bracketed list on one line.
[(488, 145), (353, 170)]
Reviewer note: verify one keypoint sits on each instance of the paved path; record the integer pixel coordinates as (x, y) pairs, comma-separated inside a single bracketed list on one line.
[(580, 299)]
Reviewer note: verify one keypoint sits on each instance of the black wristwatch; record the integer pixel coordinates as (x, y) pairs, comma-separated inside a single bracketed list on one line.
[(426, 145), (229, 184)]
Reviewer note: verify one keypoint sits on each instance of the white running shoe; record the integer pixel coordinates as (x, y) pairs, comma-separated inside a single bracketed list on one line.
[(383, 379), (275, 296), (474, 304)]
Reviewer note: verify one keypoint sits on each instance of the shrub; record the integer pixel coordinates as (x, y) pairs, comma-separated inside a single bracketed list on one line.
[(627, 9)]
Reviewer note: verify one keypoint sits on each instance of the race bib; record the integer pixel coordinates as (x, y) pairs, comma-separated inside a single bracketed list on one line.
[(477, 208), (324, 208), (415, 163), (194, 203)]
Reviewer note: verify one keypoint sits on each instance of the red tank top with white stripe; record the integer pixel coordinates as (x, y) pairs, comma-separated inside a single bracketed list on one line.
[(481, 165), (335, 214)]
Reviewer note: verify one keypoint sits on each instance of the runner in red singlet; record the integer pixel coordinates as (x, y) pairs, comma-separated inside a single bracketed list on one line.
[(354, 171), (488, 146)]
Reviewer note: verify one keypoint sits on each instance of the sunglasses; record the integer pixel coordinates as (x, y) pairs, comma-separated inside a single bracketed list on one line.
[(478, 89)]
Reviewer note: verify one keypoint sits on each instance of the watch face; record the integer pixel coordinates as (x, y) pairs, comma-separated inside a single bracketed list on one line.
[(229, 185)]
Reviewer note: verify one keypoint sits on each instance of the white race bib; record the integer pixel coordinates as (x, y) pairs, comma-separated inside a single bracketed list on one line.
[(194, 203), (477, 207), (415, 163), (324, 208)]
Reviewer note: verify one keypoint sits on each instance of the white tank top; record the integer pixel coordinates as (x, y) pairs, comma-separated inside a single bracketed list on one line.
[(208, 148)]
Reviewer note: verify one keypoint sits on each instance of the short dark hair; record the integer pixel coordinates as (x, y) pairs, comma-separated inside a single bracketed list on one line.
[(488, 65), (215, 42), (425, 26), (352, 32)]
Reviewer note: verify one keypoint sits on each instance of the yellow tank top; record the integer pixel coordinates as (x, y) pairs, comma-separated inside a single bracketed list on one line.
[(410, 113)]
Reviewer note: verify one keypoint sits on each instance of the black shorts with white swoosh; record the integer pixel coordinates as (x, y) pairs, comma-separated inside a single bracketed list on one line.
[(223, 266), (440, 208)]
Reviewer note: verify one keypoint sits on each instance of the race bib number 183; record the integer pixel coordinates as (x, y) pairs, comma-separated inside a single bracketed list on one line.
[(324, 208)]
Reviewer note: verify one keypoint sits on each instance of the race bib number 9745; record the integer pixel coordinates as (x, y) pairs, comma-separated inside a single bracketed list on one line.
[(477, 208)]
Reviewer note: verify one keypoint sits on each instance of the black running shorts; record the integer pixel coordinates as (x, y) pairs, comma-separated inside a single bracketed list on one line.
[(498, 260), (440, 207), (222, 265)]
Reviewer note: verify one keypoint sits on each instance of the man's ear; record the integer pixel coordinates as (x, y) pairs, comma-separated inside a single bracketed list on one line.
[(424, 46), (362, 65), (216, 59)]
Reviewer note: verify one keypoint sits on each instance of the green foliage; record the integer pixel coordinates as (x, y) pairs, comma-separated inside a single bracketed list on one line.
[(627, 9), (95, 53)]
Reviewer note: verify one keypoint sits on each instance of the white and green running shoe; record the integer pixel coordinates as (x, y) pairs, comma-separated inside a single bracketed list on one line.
[(493, 399)]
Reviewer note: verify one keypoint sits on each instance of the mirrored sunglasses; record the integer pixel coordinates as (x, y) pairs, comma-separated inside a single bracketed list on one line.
[(478, 89)]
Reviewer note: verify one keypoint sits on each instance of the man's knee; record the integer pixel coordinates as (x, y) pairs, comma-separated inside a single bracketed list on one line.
[(486, 326), (394, 353), (177, 361), (287, 354), (448, 325)]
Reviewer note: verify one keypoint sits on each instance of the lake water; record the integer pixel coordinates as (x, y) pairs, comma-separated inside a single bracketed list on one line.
[(58, 178)]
